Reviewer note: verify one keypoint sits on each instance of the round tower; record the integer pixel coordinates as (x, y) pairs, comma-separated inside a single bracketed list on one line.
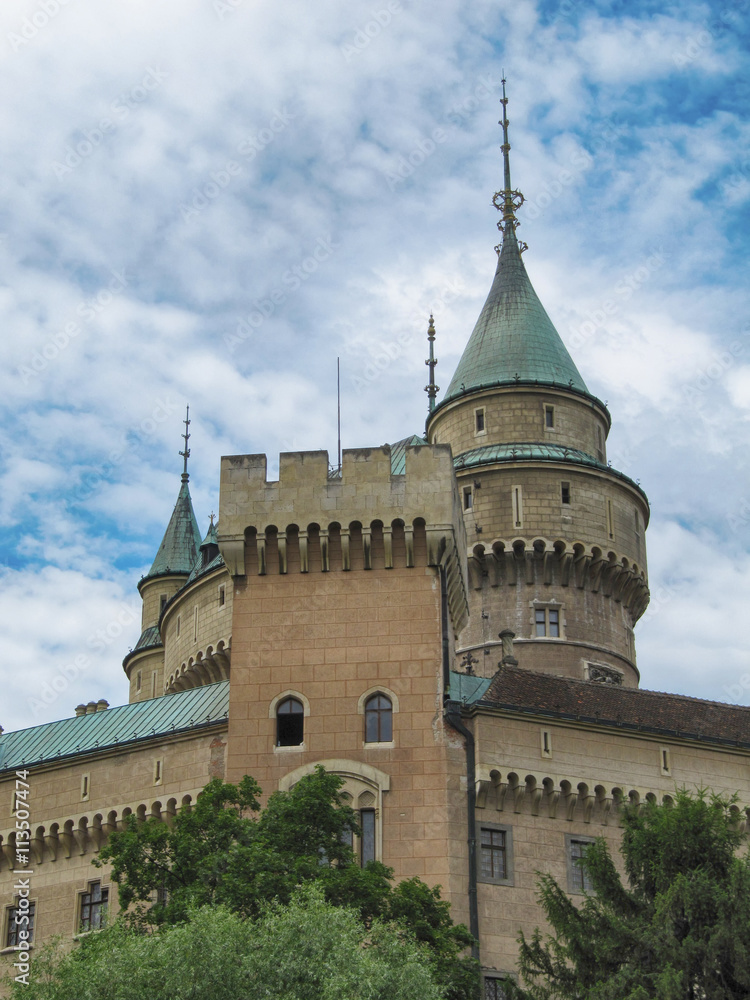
[(556, 535)]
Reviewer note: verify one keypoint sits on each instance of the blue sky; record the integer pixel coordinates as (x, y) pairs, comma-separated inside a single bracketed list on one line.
[(172, 170)]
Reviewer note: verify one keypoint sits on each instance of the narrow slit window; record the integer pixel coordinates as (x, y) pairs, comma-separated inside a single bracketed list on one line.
[(162, 602), (177, 629), (222, 596), (565, 493), (517, 496), (610, 520), (479, 424), (546, 743), (84, 787), (468, 498), (549, 416), (157, 772), (153, 684), (665, 762), (367, 844), (195, 625), (138, 680)]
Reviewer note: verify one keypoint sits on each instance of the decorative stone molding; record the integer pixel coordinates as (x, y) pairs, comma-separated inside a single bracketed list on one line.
[(205, 667), (506, 562)]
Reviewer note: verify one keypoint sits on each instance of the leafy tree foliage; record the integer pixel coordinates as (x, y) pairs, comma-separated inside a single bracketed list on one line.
[(227, 851), (679, 929), (305, 950)]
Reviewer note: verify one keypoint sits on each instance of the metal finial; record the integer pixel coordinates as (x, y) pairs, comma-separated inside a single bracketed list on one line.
[(186, 453), (431, 389), (212, 516), (508, 200)]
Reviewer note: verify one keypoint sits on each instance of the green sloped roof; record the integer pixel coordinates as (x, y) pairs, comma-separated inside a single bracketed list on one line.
[(514, 338), (123, 726), (467, 688), (492, 454), (398, 453), (179, 547)]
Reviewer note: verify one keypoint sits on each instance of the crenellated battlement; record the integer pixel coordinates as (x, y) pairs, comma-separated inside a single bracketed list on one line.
[(307, 521)]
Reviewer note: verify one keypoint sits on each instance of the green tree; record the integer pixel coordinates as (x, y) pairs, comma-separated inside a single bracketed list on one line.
[(227, 851), (305, 950), (679, 929)]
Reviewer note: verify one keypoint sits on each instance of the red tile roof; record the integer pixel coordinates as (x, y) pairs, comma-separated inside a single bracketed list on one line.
[(626, 708)]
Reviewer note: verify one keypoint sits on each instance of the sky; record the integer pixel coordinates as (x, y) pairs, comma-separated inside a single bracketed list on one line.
[(206, 202)]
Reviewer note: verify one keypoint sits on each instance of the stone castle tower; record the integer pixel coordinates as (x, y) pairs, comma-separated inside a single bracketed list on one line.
[(556, 536)]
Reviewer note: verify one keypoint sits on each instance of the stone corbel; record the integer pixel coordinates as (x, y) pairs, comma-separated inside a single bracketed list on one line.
[(260, 541), (325, 563), (388, 545), (304, 562), (52, 842), (346, 559), (233, 553), (367, 546), (283, 564), (483, 786), (566, 565), (436, 544), (536, 799), (589, 801)]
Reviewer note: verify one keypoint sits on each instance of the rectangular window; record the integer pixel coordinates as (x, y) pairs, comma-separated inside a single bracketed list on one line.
[(494, 988), (546, 741), (157, 772), (20, 919), (162, 602), (517, 498), (610, 520), (222, 596), (578, 878), (93, 911), (565, 492), (85, 787), (367, 844), (479, 425), (153, 684), (549, 416), (547, 622), (495, 854), (468, 498), (666, 764), (138, 680)]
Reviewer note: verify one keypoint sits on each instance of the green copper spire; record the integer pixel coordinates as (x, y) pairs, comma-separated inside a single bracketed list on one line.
[(180, 546), (514, 339)]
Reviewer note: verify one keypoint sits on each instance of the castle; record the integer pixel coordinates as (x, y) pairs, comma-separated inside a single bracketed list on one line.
[(446, 622)]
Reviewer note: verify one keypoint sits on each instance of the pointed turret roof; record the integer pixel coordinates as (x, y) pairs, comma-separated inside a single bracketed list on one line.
[(181, 543), (514, 339)]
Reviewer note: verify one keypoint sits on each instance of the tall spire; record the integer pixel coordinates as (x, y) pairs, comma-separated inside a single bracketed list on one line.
[(514, 340), (508, 200), (186, 453), (431, 389)]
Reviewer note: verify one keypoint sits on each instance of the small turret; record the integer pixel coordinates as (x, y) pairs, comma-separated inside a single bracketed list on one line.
[(175, 559)]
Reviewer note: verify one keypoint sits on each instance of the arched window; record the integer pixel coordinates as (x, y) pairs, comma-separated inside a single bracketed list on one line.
[(290, 723), (378, 719)]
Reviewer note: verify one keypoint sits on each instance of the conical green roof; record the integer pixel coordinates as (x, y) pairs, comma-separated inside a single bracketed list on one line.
[(181, 543), (514, 339)]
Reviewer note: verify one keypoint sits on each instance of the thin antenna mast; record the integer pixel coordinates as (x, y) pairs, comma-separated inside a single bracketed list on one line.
[(338, 396)]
